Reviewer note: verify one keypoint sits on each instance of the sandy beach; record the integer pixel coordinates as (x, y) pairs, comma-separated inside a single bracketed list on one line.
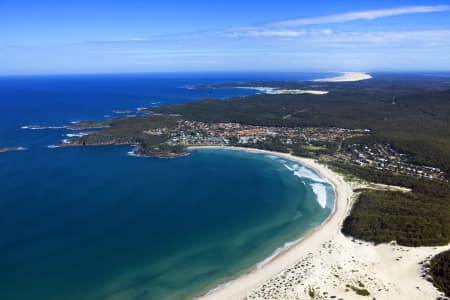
[(325, 263), (278, 91), (346, 76)]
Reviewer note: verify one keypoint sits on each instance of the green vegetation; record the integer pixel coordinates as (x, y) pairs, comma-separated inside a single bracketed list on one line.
[(359, 291), (132, 131), (311, 292), (433, 188), (440, 272), (418, 218), (313, 148), (91, 124), (411, 219)]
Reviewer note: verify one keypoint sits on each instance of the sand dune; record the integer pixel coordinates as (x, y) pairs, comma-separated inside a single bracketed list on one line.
[(346, 76), (278, 91)]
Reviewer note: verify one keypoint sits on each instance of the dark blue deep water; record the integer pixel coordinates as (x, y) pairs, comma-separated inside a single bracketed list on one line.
[(94, 223)]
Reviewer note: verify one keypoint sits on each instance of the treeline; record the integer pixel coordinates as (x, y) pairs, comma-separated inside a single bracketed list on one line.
[(411, 219), (440, 272), (418, 218), (130, 131)]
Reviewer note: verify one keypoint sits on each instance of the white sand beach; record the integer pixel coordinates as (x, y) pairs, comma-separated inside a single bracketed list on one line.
[(278, 91), (326, 263), (347, 76)]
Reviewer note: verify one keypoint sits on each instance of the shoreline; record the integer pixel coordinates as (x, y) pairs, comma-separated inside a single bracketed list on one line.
[(324, 261), (280, 91), (221, 291), (346, 77)]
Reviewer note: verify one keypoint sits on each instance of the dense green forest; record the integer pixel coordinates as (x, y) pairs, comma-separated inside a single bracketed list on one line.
[(411, 219), (420, 217), (440, 271)]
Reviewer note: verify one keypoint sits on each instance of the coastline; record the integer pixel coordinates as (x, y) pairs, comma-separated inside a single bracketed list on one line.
[(325, 261), (279, 91), (239, 287), (346, 77)]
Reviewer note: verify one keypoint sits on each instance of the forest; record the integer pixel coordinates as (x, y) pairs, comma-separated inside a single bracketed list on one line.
[(439, 270)]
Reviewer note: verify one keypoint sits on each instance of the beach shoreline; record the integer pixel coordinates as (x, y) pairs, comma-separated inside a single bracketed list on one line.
[(326, 261), (217, 292), (279, 91), (346, 77)]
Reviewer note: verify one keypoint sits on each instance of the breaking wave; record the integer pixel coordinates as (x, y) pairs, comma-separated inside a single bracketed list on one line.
[(321, 193), (318, 184), (37, 127), (303, 172)]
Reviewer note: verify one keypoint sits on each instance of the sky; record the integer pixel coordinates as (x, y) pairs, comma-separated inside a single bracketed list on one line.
[(96, 36)]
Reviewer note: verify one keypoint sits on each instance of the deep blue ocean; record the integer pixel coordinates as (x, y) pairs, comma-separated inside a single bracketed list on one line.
[(95, 223)]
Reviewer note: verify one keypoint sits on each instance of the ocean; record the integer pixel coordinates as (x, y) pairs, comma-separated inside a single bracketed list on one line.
[(95, 223)]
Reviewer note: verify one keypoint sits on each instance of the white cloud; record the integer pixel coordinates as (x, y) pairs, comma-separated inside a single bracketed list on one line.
[(264, 33), (328, 35), (361, 15), (284, 29), (282, 33)]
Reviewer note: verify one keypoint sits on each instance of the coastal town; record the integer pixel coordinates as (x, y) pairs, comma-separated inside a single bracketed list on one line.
[(383, 157), (199, 133)]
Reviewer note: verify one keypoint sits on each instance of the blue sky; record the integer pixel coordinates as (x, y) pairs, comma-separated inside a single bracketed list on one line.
[(47, 37)]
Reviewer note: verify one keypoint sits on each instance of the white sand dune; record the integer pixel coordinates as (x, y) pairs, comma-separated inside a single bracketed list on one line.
[(325, 262), (278, 91), (346, 76)]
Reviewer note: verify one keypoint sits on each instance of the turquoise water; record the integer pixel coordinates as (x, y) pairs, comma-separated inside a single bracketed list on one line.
[(146, 228), (94, 223)]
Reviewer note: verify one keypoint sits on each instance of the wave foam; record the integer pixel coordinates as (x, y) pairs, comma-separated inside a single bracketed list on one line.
[(318, 186), (132, 153), (303, 172), (321, 194), (38, 127), (81, 134)]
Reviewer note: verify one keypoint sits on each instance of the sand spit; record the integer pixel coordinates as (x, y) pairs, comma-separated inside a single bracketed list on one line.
[(278, 91), (346, 76)]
